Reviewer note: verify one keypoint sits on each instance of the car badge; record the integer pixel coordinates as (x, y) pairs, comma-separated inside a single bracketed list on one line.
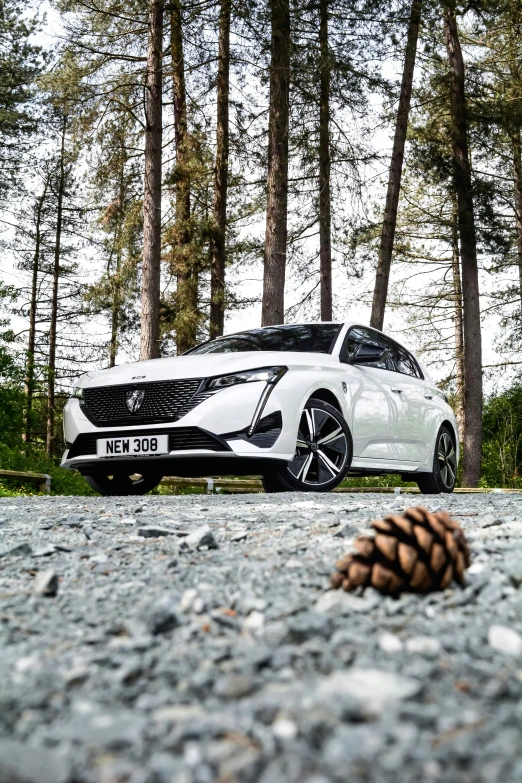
[(134, 400)]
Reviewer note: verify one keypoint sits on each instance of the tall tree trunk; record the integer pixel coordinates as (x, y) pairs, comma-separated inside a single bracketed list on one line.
[(151, 268), (395, 174), (273, 308), (217, 275), (517, 171), (115, 311), (468, 255), (116, 282), (186, 272), (459, 332), (51, 368), (325, 239), (113, 345), (31, 339)]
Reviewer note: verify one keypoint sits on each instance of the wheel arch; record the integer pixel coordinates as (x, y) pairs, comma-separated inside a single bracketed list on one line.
[(447, 423), (451, 427), (326, 395)]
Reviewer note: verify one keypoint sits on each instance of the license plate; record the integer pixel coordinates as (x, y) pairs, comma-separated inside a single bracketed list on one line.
[(143, 445)]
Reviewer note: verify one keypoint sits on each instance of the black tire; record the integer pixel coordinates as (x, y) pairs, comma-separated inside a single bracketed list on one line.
[(324, 449), (444, 474), (123, 483)]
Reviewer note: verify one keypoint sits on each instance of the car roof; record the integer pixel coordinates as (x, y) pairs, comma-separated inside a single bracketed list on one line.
[(347, 324)]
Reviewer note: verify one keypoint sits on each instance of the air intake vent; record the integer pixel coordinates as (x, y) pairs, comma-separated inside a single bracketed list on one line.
[(267, 432)]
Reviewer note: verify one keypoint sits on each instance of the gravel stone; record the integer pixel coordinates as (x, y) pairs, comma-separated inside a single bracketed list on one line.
[(505, 639), (374, 688), (20, 763), (153, 532), (202, 536), (165, 659), (162, 615), (46, 583), (423, 645), (19, 549), (390, 643)]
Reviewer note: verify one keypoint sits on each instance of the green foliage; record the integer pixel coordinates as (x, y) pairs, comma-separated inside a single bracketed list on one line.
[(502, 447), (169, 490), (20, 62), (377, 481), (33, 460)]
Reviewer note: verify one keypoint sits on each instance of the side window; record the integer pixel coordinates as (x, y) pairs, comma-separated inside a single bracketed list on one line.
[(391, 354), (396, 359), (358, 335), (405, 362)]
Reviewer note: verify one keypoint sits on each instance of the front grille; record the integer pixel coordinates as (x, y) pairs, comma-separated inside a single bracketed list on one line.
[(180, 439), (105, 406)]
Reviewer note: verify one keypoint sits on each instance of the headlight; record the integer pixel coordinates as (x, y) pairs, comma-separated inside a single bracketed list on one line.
[(78, 393), (266, 374)]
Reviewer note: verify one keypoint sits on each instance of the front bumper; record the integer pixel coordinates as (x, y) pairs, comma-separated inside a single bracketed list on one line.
[(217, 427)]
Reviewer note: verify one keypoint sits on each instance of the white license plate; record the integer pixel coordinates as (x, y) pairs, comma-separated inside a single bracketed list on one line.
[(138, 446)]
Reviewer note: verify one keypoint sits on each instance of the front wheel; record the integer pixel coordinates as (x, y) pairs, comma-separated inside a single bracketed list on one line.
[(444, 474), (323, 453), (123, 483)]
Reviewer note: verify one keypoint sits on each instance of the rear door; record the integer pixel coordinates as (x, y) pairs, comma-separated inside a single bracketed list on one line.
[(420, 405), (376, 409)]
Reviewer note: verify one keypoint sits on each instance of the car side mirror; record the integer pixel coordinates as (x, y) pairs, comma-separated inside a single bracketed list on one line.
[(366, 352)]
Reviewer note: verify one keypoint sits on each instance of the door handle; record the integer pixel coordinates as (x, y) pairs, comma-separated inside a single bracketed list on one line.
[(398, 391), (428, 396)]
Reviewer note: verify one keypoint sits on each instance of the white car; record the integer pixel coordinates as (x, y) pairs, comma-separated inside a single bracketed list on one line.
[(302, 405)]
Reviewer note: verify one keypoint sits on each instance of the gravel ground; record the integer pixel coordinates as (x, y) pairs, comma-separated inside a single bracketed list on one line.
[(192, 639)]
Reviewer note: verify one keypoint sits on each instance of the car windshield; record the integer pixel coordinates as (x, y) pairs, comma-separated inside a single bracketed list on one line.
[(311, 338)]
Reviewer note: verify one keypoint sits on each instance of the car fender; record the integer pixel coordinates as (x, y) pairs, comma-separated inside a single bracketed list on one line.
[(290, 399), (444, 415)]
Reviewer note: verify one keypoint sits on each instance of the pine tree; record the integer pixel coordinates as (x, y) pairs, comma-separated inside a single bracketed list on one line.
[(217, 282), (151, 266), (468, 255), (20, 63), (395, 174), (277, 178)]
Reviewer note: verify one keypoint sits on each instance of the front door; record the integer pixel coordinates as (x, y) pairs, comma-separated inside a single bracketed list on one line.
[(376, 409)]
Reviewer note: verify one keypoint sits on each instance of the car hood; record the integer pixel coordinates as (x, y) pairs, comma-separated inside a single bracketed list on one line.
[(202, 366)]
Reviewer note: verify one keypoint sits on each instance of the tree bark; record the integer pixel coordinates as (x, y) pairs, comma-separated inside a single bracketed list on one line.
[(217, 273), (186, 272), (277, 179), (517, 181), (116, 283), (468, 255), (389, 223), (51, 365), (459, 332), (151, 268), (31, 339), (325, 238)]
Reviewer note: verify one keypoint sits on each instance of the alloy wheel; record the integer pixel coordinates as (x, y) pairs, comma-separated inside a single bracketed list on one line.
[(322, 448), (447, 460)]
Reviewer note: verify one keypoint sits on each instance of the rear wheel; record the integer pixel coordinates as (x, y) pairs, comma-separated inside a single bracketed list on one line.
[(444, 474), (323, 453), (122, 483)]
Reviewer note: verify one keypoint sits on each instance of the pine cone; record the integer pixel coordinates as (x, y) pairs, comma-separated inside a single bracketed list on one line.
[(416, 552)]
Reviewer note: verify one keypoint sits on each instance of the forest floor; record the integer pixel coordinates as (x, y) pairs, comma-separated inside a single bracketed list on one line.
[(192, 639)]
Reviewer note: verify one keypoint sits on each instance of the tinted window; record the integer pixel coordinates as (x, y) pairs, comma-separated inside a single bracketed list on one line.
[(358, 335), (396, 359), (313, 338), (404, 361)]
